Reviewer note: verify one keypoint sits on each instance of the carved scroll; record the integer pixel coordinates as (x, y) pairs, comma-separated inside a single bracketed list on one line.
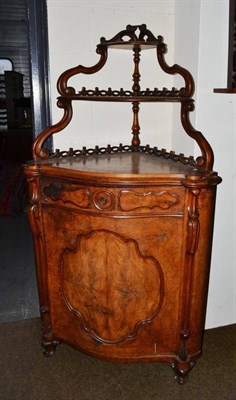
[(188, 90), (135, 33), (38, 151), (62, 87), (207, 158)]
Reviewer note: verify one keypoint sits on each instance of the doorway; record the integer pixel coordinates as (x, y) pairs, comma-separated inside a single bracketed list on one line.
[(24, 29), (24, 84)]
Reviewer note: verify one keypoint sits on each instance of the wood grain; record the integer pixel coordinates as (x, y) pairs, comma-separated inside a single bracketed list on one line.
[(105, 280)]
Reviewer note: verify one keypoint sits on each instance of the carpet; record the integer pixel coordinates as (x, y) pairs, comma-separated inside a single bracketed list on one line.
[(13, 188), (25, 374)]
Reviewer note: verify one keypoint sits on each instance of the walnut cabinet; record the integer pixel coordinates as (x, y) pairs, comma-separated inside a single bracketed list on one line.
[(123, 233)]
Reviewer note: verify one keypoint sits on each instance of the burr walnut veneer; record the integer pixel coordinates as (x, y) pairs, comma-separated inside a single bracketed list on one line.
[(123, 233)]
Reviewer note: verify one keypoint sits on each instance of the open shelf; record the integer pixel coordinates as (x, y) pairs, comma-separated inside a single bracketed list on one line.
[(147, 95), (125, 98), (225, 90)]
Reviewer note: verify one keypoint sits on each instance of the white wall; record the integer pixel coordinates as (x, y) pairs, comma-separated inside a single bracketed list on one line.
[(201, 43), (216, 117), (196, 32), (186, 48)]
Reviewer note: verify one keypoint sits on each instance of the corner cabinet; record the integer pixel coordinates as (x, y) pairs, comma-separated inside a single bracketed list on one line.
[(123, 233)]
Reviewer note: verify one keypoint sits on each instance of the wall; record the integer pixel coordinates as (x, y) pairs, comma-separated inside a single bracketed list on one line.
[(216, 117), (196, 33), (201, 42), (186, 49)]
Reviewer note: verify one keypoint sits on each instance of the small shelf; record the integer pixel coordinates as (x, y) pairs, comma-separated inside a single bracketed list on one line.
[(130, 45), (150, 99), (225, 90)]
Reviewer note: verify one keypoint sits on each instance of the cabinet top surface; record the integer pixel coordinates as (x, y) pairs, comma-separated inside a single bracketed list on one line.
[(120, 165)]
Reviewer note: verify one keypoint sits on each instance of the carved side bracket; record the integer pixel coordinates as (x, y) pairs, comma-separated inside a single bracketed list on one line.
[(62, 87), (38, 151), (207, 158), (188, 91)]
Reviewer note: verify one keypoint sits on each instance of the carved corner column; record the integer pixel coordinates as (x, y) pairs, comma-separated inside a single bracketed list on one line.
[(34, 214), (184, 363)]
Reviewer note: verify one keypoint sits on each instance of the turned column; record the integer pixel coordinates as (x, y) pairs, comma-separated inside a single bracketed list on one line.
[(136, 88)]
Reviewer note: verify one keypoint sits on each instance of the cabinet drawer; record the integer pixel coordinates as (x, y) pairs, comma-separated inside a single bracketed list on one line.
[(158, 199), (65, 194)]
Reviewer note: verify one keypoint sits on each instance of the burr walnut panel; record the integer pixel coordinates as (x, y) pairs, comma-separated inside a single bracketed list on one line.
[(105, 280), (130, 200), (68, 195)]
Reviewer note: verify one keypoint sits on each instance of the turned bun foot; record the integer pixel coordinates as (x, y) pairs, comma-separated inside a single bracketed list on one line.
[(182, 370), (50, 348)]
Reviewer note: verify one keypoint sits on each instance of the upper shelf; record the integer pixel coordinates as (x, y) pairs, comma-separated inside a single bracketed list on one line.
[(136, 38), (131, 45)]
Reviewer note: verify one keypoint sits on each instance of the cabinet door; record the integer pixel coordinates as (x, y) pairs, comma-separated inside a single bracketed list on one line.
[(114, 282)]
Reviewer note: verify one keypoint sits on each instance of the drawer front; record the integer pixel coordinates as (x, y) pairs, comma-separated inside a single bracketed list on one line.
[(65, 194), (155, 199)]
